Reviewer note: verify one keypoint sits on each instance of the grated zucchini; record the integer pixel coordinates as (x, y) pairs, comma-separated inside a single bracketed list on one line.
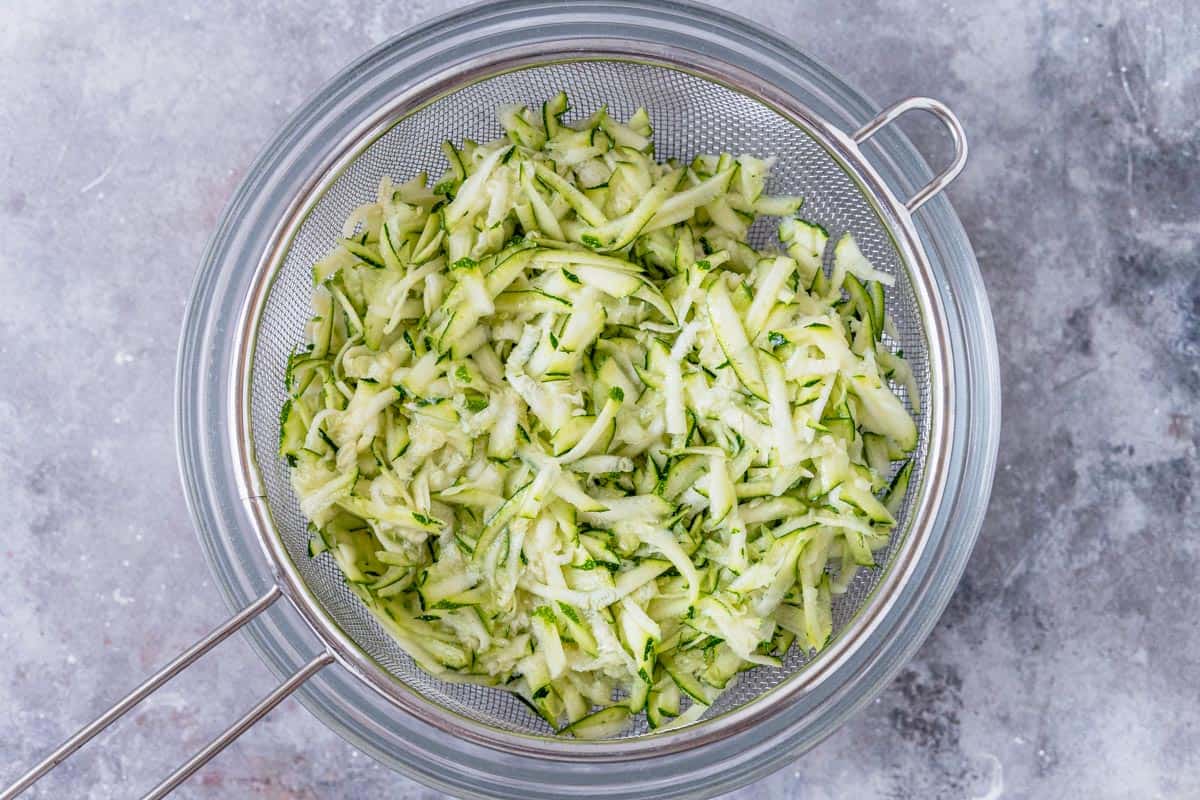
[(566, 432)]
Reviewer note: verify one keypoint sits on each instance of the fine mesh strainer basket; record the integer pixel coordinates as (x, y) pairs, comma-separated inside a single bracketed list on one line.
[(710, 84)]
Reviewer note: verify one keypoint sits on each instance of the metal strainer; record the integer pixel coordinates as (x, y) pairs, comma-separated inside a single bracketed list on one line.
[(697, 104)]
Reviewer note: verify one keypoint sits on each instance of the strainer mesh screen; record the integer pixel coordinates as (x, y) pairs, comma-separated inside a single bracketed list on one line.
[(690, 115)]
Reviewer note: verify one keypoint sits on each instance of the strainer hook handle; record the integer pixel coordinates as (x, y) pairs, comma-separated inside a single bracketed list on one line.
[(947, 118), (151, 684)]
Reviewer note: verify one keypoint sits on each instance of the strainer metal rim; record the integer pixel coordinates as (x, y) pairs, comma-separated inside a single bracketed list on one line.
[(347, 652), (197, 462)]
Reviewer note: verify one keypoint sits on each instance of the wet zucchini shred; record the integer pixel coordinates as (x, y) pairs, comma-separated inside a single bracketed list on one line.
[(565, 431)]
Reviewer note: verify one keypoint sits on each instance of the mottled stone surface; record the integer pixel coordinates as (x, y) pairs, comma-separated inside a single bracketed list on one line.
[(1067, 663)]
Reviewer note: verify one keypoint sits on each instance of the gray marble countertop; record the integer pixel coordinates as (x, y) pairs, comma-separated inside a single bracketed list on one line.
[(1065, 666)]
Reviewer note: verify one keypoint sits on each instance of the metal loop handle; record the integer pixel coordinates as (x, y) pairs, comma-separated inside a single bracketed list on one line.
[(151, 684), (947, 118)]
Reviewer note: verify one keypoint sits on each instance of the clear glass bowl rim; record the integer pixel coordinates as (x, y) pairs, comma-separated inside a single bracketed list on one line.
[(282, 640)]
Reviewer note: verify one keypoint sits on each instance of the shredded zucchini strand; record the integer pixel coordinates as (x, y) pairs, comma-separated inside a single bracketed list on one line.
[(566, 432)]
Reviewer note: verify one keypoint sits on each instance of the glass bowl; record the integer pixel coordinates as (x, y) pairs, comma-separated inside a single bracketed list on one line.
[(439, 52)]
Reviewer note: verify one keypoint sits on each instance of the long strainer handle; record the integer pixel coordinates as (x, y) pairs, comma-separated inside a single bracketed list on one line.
[(947, 118), (151, 684)]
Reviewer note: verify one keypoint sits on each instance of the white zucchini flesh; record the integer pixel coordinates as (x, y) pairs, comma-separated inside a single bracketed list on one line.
[(566, 432)]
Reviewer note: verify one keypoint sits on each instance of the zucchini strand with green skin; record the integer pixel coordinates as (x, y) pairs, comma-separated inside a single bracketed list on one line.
[(566, 432)]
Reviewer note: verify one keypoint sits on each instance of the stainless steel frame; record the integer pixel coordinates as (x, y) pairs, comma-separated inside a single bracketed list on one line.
[(338, 646)]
